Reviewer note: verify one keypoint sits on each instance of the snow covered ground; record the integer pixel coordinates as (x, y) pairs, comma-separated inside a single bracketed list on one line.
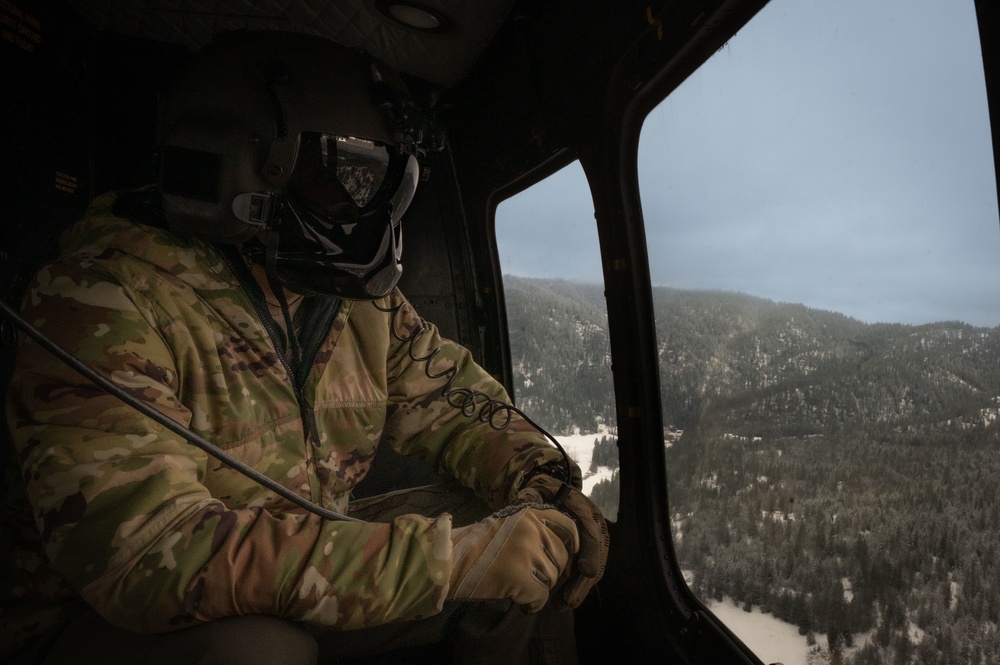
[(580, 447), (773, 640)]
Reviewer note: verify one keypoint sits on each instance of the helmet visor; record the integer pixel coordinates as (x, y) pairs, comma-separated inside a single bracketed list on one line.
[(343, 178), (336, 231)]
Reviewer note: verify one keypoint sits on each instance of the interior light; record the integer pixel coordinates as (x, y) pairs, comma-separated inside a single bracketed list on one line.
[(416, 16)]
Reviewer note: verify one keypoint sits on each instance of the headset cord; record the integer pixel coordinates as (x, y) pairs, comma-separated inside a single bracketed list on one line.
[(167, 422), (474, 404)]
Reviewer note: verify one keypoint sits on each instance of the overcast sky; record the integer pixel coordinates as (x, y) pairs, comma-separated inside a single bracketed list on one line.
[(835, 154)]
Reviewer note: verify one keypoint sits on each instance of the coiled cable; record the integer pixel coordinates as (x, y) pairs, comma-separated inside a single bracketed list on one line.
[(473, 404)]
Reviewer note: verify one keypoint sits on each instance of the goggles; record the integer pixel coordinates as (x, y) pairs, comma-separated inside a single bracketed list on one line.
[(335, 230)]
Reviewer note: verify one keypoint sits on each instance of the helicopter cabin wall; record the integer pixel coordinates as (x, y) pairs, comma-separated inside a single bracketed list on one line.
[(79, 108)]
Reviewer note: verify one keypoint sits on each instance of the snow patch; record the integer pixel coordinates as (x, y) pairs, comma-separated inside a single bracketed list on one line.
[(580, 448), (773, 640)]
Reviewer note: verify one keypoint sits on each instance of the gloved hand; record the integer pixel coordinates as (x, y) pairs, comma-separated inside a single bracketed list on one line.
[(518, 554), (593, 530)]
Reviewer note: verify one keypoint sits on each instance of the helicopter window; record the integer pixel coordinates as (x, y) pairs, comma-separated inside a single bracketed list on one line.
[(558, 324), (821, 219)]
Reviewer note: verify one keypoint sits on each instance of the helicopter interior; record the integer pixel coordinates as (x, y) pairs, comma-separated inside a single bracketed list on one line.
[(521, 89)]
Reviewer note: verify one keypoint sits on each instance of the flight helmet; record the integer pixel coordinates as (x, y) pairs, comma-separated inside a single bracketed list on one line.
[(293, 135)]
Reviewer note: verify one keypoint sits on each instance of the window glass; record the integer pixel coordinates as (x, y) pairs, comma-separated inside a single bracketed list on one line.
[(558, 323), (822, 226)]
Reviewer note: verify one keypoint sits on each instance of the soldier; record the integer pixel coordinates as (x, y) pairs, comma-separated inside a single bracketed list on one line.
[(251, 297)]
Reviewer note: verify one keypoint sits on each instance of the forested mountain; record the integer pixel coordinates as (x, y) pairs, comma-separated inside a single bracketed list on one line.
[(759, 366), (841, 475), (559, 351)]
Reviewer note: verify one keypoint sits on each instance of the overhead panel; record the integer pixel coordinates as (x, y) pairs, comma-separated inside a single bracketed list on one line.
[(443, 55)]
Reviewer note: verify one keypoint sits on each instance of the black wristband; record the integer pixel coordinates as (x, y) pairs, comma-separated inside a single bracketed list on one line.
[(555, 470)]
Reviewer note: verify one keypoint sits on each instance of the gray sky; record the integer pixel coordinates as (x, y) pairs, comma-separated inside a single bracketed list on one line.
[(833, 153)]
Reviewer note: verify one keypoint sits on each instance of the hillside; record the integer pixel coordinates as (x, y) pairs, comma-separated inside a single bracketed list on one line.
[(735, 361), (842, 476), (559, 351)]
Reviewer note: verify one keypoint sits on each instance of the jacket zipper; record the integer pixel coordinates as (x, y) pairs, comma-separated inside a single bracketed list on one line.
[(317, 327), (324, 316)]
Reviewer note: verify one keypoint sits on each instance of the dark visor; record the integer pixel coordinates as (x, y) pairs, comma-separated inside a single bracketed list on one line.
[(341, 178), (336, 228)]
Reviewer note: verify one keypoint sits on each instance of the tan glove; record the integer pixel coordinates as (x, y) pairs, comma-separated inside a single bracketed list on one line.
[(593, 530), (517, 554)]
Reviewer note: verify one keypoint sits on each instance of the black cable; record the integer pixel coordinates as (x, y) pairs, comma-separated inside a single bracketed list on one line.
[(171, 424), (473, 404)]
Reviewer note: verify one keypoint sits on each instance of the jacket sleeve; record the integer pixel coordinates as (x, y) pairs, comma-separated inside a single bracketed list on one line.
[(449, 410), (125, 516)]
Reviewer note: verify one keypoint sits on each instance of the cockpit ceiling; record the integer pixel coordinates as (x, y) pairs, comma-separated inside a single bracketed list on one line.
[(442, 57)]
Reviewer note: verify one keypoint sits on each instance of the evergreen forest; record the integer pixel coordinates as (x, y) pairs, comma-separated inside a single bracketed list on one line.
[(839, 475)]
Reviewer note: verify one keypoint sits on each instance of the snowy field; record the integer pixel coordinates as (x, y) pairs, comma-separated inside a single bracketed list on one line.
[(580, 447), (773, 640)]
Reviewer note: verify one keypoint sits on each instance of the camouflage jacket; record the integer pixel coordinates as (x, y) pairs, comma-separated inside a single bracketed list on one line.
[(153, 533)]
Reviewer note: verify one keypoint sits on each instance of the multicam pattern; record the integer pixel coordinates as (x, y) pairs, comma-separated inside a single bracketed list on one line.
[(155, 534)]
